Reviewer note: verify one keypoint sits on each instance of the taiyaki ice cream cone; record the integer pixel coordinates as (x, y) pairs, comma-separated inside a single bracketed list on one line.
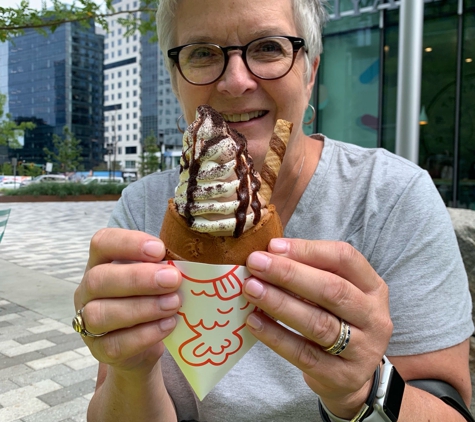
[(221, 211)]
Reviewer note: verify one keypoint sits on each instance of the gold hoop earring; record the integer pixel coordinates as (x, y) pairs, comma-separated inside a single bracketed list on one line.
[(314, 114), (178, 124)]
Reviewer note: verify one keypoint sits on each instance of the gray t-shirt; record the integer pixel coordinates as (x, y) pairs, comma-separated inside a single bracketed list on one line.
[(388, 209)]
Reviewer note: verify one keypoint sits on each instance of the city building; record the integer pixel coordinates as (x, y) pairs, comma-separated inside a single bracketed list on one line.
[(357, 88), (137, 96), (55, 80)]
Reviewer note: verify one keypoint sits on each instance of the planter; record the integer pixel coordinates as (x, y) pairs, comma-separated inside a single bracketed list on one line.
[(54, 198)]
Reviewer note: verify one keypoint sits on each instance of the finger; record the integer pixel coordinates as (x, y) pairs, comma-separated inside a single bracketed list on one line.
[(331, 370), (113, 244), (122, 280), (323, 288), (339, 258), (311, 321), (121, 345), (106, 315)]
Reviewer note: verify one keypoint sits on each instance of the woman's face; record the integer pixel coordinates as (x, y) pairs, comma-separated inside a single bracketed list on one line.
[(237, 22)]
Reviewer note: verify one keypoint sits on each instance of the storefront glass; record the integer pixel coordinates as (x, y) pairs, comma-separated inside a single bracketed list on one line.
[(438, 102), (467, 117), (349, 81)]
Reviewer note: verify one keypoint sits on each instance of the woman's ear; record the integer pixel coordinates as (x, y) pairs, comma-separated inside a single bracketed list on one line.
[(313, 76)]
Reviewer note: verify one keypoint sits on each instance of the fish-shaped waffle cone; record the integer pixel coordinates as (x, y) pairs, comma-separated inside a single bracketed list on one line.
[(184, 244), (274, 157)]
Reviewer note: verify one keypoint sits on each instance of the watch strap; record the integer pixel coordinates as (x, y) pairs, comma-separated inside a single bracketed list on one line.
[(365, 410), (446, 393)]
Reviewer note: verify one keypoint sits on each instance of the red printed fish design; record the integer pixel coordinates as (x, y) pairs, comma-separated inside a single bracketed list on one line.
[(212, 320)]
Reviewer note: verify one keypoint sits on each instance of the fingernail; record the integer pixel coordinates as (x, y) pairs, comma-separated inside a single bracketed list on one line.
[(258, 261), (166, 277), (154, 249), (254, 322), (278, 245), (254, 288), (167, 303), (167, 323)]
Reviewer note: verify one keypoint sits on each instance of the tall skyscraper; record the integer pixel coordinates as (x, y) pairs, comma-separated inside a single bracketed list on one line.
[(134, 100), (56, 81)]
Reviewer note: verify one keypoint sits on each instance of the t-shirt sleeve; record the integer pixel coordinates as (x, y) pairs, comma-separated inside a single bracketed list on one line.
[(122, 215), (417, 255)]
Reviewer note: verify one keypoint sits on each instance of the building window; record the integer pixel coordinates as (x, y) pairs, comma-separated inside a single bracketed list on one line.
[(131, 150), (130, 164)]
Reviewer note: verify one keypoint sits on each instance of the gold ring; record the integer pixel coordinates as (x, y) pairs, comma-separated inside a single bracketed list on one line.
[(80, 327), (342, 340)]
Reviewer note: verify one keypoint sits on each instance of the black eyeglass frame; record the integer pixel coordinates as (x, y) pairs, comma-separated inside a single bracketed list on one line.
[(297, 44)]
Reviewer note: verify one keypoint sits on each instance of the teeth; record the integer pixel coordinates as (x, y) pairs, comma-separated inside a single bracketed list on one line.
[(243, 117)]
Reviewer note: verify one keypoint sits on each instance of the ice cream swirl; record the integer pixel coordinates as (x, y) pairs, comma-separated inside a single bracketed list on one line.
[(218, 188)]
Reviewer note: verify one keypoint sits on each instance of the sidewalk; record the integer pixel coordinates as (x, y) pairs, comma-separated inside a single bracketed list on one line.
[(46, 372)]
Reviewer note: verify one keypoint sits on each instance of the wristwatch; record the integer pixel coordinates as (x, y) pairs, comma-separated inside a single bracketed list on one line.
[(384, 401)]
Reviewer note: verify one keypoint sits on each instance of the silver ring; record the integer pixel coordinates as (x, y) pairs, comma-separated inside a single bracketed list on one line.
[(342, 341), (80, 327)]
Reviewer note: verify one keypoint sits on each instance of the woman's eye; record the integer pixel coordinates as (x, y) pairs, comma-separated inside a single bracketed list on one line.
[(268, 47), (202, 54)]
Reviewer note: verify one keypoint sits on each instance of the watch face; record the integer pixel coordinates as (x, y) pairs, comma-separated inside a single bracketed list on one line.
[(393, 397)]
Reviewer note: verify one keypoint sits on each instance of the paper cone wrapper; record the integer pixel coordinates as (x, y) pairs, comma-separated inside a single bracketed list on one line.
[(211, 334)]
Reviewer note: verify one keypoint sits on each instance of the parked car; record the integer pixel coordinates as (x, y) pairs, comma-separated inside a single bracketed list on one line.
[(43, 178), (9, 184), (103, 180)]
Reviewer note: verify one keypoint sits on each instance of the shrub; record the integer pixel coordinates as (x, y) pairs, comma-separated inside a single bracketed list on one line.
[(67, 189)]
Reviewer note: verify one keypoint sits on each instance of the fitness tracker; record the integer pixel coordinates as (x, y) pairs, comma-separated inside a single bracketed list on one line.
[(384, 401)]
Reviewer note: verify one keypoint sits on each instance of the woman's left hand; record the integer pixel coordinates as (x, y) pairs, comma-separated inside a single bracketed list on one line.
[(310, 286)]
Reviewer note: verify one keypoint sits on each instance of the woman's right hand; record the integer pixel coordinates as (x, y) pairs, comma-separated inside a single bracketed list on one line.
[(129, 294)]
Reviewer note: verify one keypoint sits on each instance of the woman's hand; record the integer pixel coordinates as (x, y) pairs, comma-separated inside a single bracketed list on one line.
[(127, 293), (309, 286)]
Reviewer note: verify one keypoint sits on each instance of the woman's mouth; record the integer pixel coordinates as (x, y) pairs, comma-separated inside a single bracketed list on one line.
[(243, 117)]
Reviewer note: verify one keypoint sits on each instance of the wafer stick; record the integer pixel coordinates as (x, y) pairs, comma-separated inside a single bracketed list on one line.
[(274, 157)]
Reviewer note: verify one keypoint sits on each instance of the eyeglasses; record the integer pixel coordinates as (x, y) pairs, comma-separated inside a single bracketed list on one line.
[(267, 58)]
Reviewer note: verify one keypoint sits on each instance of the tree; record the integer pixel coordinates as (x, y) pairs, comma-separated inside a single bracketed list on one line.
[(67, 152), (9, 130), (14, 21), (149, 161)]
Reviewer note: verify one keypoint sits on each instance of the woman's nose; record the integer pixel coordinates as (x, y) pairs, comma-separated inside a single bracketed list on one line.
[(237, 79)]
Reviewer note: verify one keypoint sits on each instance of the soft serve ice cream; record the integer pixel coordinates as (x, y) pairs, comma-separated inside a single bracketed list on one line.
[(218, 215), (218, 189)]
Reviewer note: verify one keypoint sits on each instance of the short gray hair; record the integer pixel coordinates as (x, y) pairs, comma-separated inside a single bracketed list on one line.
[(309, 16)]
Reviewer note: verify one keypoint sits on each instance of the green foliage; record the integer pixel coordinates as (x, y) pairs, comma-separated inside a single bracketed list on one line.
[(68, 189), (23, 169), (67, 152), (149, 161), (9, 130), (6, 169), (14, 21)]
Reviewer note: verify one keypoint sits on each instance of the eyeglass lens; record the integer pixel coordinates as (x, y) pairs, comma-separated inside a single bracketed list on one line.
[(267, 58)]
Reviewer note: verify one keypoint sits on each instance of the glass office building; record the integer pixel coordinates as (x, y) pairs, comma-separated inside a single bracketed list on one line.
[(356, 93), (57, 81)]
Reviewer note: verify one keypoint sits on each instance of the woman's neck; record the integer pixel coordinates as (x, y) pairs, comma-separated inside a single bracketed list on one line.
[(297, 169)]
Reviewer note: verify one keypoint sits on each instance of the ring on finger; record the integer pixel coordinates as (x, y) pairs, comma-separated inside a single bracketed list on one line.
[(79, 325), (342, 341)]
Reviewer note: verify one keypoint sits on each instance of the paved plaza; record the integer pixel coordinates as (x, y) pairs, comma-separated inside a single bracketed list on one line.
[(46, 372)]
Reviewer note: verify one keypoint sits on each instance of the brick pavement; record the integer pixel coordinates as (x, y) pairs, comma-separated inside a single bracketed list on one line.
[(46, 372)]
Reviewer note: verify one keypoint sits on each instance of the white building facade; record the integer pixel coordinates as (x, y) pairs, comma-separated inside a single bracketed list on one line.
[(137, 93)]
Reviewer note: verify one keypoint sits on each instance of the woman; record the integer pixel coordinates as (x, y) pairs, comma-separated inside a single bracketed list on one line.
[(384, 277)]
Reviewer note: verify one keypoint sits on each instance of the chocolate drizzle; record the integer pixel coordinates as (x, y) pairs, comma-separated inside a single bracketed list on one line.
[(249, 183)]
